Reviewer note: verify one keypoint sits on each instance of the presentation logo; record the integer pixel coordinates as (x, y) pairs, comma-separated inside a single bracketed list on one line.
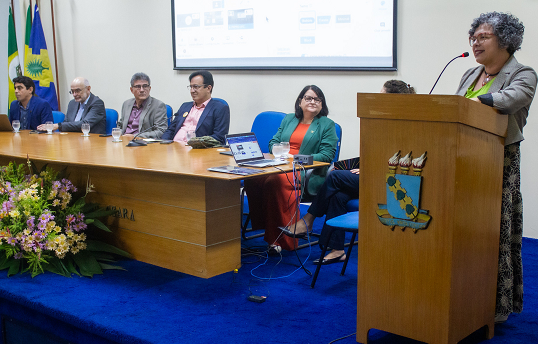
[(403, 194)]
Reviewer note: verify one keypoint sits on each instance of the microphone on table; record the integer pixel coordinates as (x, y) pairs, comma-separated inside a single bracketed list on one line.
[(136, 143), (465, 54)]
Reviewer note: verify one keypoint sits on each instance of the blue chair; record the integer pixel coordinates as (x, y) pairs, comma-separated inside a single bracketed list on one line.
[(265, 126), (348, 222), (57, 116), (111, 120), (169, 113), (221, 100)]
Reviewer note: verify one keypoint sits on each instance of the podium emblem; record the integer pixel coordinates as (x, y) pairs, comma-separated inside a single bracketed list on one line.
[(403, 194)]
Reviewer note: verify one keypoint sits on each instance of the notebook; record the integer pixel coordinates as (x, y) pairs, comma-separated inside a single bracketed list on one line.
[(5, 124), (235, 170), (247, 152)]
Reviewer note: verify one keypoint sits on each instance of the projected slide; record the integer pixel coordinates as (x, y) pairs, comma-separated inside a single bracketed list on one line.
[(284, 34)]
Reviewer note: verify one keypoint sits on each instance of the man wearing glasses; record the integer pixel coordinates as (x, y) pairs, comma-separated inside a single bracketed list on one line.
[(204, 116), (84, 108), (142, 115)]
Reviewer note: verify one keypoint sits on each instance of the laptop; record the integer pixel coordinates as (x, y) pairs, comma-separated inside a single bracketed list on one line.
[(247, 152), (5, 124)]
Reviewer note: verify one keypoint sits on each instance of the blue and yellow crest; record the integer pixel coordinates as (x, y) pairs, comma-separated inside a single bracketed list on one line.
[(403, 195)]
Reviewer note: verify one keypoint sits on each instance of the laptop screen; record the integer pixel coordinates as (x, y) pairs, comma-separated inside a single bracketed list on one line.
[(244, 147)]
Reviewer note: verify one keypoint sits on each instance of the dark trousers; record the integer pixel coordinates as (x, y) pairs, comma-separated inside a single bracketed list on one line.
[(340, 186)]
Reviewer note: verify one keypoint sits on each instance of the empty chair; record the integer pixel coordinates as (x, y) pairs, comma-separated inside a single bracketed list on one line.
[(348, 222), (111, 120)]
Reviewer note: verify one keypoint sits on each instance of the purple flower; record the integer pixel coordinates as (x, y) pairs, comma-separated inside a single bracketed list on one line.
[(70, 218), (30, 222), (18, 255), (7, 206), (12, 241)]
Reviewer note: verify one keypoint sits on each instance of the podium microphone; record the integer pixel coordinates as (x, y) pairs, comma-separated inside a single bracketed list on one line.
[(465, 54), (136, 143)]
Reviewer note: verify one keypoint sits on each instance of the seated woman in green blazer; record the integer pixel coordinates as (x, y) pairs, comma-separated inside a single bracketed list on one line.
[(273, 200)]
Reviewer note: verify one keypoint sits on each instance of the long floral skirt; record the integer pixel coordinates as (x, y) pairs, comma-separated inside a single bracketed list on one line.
[(510, 277)]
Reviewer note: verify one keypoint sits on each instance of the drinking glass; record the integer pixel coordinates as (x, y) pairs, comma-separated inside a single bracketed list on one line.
[(285, 150), (277, 150), (49, 126), (190, 134), (85, 129), (16, 125), (116, 133)]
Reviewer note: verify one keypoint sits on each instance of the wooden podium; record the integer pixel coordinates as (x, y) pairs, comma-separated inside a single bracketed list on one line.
[(437, 285)]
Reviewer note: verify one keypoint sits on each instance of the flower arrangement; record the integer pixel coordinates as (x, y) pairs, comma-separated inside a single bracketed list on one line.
[(43, 225)]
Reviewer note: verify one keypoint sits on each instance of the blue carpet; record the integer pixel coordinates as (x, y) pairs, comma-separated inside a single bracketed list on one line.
[(148, 304)]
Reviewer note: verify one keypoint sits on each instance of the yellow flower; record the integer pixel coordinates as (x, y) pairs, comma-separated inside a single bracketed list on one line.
[(14, 213)]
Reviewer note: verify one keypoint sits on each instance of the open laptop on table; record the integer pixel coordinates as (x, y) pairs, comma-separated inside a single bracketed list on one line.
[(247, 152), (5, 124)]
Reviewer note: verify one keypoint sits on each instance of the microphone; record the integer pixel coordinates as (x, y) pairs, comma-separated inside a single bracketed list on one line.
[(136, 143), (465, 54)]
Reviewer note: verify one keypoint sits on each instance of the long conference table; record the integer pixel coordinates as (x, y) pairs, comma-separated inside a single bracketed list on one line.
[(171, 211)]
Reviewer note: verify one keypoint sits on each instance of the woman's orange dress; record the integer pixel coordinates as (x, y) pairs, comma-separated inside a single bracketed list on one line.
[(272, 200)]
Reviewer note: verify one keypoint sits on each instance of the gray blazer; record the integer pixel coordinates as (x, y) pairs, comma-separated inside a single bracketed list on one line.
[(94, 113), (154, 113), (511, 93)]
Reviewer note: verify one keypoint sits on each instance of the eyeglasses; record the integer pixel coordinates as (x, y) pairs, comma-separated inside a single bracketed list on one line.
[(75, 91), (309, 99), (195, 87), (481, 38), (138, 87)]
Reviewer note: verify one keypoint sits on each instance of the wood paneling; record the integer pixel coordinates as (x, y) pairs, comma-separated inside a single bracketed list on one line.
[(438, 285)]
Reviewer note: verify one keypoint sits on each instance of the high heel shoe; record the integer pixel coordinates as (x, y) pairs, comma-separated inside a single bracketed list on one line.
[(292, 234)]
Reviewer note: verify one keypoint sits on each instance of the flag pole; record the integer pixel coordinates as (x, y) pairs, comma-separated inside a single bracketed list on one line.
[(55, 55)]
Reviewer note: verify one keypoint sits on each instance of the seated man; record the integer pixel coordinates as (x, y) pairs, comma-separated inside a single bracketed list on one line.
[(84, 108), (204, 116), (28, 109), (143, 115)]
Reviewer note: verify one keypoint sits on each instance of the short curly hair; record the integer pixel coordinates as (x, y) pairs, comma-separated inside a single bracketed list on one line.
[(508, 29)]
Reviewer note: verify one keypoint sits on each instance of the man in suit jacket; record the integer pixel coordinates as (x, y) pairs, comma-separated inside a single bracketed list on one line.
[(29, 109), (84, 108), (143, 115), (202, 117)]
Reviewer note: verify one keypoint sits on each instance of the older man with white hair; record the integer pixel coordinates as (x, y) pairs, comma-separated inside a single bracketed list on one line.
[(84, 108)]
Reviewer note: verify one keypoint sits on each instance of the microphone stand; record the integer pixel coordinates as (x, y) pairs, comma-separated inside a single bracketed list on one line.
[(465, 54)]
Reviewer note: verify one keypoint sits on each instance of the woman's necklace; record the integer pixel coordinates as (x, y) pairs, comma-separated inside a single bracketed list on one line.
[(488, 77)]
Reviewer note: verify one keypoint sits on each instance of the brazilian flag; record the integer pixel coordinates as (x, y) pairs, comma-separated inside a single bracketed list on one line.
[(37, 65), (14, 67)]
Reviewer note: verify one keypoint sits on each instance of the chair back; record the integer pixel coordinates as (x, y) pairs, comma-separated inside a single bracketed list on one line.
[(221, 100), (338, 144), (265, 126), (111, 120), (169, 113), (57, 116)]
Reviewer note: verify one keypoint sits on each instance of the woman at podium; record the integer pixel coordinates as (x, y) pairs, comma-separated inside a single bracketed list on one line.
[(273, 200), (508, 86)]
